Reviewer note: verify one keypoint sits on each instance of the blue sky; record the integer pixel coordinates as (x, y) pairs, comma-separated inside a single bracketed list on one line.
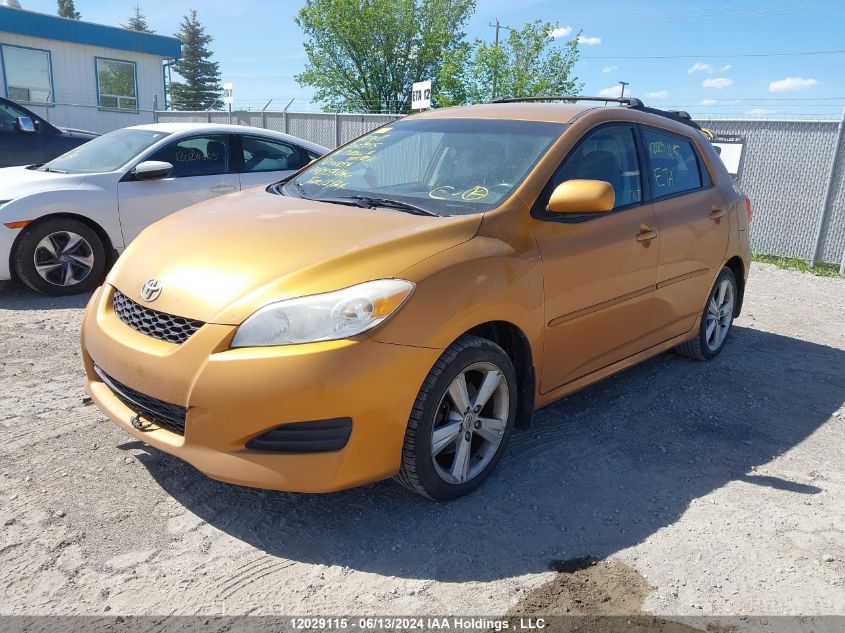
[(690, 55)]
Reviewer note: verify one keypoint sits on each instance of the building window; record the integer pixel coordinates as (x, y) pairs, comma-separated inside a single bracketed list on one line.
[(28, 76), (116, 85)]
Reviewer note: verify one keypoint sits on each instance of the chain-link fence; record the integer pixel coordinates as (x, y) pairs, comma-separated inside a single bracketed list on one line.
[(793, 171)]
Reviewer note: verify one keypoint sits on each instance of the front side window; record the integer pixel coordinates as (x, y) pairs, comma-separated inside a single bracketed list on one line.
[(261, 154), (28, 76), (674, 166), (196, 156), (608, 154), (116, 85), (9, 116), (105, 153), (445, 166)]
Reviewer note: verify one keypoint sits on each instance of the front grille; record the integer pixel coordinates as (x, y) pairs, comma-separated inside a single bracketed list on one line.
[(167, 416), (160, 325)]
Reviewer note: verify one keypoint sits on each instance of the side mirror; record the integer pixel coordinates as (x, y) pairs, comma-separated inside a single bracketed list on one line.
[(151, 170), (25, 125), (582, 196)]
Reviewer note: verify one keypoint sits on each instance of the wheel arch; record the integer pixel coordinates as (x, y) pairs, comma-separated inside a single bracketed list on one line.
[(737, 267), (111, 252), (518, 348)]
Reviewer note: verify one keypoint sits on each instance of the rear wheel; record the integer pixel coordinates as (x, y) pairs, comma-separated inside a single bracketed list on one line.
[(61, 256), (716, 320), (461, 420)]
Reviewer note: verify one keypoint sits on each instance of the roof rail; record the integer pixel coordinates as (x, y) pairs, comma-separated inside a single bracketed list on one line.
[(628, 101), (676, 115), (632, 102)]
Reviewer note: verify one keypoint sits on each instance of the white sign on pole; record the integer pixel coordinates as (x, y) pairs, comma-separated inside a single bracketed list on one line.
[(730, 150), (228, 96), (421, 95)]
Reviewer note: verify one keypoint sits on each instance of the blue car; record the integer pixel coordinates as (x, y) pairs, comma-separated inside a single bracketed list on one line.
[(27, 139)]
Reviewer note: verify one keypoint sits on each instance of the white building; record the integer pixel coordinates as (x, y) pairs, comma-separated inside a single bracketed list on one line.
[(79, 74)]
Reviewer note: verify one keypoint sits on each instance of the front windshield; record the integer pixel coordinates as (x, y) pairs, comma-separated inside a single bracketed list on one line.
[(445, 166), (104, 153)]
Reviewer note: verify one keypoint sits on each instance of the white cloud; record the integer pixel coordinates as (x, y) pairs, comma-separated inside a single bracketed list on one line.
[(717, 82), (612, 92), (791, 84), (561, 31), (725, 68), (700, 67), (707, 102), (589, 40), (609, 69), (657, 94), (759, 112)]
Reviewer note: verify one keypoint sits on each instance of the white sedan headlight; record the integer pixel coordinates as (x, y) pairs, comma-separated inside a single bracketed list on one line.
[(324, 317)]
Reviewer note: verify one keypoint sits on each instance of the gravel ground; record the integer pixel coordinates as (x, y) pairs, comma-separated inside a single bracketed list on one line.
[(720, 486)]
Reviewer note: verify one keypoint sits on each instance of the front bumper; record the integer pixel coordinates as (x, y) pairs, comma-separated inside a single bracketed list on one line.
[(234, 395)]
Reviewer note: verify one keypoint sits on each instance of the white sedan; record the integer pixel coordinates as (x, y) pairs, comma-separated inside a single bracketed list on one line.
[(63, 223)]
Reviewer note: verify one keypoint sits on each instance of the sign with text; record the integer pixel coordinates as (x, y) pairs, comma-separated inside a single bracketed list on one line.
[(421, 95), (730, 149), (228, 94)]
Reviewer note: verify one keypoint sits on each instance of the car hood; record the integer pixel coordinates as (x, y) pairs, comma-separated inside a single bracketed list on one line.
[(21, 181), (221, 260)]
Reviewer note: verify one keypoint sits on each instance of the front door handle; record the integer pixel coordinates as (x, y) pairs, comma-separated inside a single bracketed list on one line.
[(715, 214), (646, 235), (224, 188)]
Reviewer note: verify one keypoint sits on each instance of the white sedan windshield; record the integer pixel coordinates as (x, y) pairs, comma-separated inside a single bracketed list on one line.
[(105, 153)]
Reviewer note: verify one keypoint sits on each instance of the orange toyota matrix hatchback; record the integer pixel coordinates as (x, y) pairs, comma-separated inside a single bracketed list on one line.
[(400, 305)]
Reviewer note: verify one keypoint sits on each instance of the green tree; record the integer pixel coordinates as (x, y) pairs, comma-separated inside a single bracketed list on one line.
[(201, 86), (363, 55), (528, 63), (67, 10), (138, 22)]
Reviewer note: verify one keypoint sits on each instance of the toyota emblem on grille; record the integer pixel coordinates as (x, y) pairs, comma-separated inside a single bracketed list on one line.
[(151, 290)]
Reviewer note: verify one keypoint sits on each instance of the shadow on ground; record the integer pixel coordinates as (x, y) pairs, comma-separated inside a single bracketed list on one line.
[(599, 471), (14, 296)]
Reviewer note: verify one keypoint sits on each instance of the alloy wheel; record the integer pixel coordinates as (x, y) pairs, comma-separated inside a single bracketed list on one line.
[(63, 258), (470, 423), (720, 313)]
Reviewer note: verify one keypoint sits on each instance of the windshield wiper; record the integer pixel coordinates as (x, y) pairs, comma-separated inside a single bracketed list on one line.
[(368, 202), (53, 170)]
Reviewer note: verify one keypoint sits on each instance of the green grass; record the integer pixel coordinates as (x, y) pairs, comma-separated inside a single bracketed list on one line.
[(793, 263)]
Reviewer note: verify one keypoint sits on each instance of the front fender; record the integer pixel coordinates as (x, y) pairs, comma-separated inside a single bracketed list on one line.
[(94, 203), (476, 282)]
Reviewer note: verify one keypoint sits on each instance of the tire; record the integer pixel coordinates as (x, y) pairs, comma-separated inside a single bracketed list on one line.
[(480, 437), (71, 257), (721, 311)]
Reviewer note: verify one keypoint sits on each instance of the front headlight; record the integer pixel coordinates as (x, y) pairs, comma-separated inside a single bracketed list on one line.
[(324, 317)]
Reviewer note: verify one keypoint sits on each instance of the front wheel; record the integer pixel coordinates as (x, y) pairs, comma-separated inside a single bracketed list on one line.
[(716, 320), (60, 256), (461, 420)]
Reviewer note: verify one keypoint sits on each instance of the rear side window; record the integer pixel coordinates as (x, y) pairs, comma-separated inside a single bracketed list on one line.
[(261, 154), (609, 154), (198, 156), (674, 164)]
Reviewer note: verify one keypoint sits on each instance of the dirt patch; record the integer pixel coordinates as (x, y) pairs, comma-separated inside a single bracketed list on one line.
[(597, 596), (585, 586)]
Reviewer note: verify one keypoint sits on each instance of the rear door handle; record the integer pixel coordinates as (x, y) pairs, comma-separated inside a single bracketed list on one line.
[(646, 236), (715, 214), (224, 188)]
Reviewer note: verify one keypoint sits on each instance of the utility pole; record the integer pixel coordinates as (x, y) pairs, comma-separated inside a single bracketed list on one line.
[(497, 26), (623, 84)]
